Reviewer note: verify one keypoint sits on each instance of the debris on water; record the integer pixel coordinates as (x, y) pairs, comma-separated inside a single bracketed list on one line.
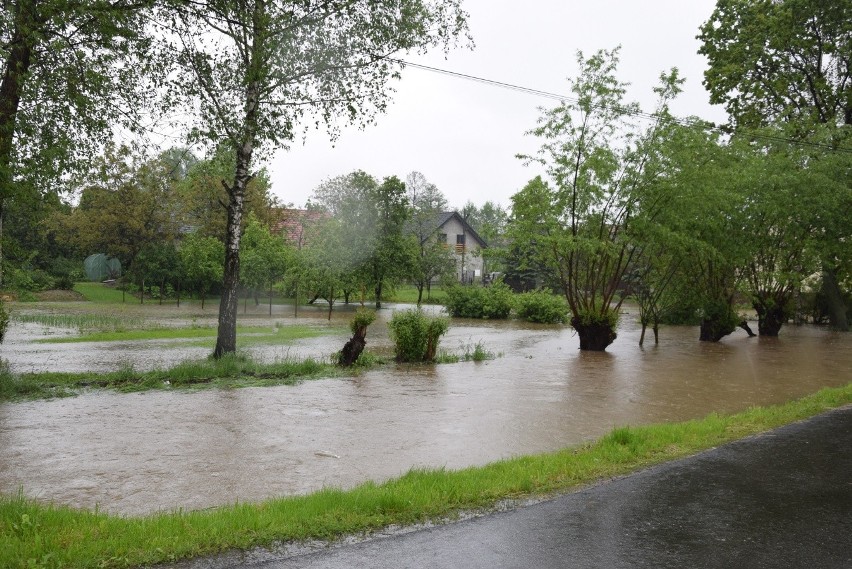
[(326, 454)]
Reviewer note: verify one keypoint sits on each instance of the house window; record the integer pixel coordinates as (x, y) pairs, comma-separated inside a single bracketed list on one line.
[(442, 239), (460, 243)]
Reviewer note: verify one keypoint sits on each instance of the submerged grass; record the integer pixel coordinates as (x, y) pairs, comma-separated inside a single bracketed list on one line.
[(85, 323), (42, 535), (246, 334), (229, 371)]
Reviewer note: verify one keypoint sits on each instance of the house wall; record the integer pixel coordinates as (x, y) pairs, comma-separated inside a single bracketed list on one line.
[(468, 259)]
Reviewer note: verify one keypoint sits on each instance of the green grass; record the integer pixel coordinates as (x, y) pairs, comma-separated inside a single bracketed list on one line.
[(96, 292), (42, 535), (231, 371), (408, 294)]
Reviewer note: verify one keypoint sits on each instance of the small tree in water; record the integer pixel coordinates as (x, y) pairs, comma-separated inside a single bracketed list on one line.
[(353, 348), (601, 166)]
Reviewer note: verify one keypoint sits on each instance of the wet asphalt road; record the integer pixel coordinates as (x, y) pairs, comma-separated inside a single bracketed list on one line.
[(782, 499)]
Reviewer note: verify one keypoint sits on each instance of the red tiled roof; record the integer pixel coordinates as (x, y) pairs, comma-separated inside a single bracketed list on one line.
[(291, 223)]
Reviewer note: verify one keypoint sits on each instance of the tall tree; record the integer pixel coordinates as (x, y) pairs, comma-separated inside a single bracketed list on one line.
[(601, 165), (432, 259), (266, 257), (201, 263), (258, 68), (790, 61), (126, 203), (373, 218), (70, 72)]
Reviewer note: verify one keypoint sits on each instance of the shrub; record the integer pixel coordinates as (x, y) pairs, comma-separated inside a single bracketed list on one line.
[(28, 280), (541, 306), (416, 335), (492, 302)]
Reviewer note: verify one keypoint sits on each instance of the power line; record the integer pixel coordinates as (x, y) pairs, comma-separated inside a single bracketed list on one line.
[(623, 110)]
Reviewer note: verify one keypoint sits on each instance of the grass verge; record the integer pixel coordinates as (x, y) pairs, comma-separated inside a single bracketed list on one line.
[(42, 535), (229, 371)]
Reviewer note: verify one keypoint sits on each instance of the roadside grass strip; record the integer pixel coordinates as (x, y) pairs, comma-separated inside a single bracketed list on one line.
[(33, 534)]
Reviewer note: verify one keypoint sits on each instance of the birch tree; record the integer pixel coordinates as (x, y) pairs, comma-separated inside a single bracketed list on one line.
[(260, 72)]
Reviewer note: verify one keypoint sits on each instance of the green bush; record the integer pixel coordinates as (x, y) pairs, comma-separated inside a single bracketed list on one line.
[(28, 280), (416, 335), (363, 318), (541, 306), (491, 302)]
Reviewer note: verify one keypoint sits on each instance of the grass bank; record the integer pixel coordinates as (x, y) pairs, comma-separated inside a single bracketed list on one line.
[(41, 535), (231, 371)]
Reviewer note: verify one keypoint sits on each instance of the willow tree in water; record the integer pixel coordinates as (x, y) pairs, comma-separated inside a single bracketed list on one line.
[(600, 164), (259, 70)]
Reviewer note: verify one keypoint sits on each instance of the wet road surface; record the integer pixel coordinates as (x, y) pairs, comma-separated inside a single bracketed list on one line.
[(782, 499)]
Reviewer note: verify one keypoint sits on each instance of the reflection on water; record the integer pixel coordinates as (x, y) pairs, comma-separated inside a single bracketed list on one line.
[(138, 453)]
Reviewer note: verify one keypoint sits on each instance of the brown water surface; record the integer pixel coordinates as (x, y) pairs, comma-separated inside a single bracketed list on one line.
[(163, 450)]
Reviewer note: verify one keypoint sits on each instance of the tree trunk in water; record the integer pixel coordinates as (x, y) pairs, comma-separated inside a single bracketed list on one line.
[(713, 330), (770, 319), (656, 329), (353, 348), (594, 337), (378, 295), (744, 325), (330, 304), (834, 299), (642, 335), (419, 295)]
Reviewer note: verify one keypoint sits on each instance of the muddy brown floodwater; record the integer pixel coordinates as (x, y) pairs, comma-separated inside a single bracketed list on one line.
[(163, 450)]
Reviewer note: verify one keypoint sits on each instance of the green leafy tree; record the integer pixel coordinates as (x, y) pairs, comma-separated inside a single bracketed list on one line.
[(126, 204), (373, 218), (788, 61), (265, 257), (202, 200), (601, 165), (201, 262), (325, 266), (393, 251), (70, 72), (157, 263), (256, 71), (432, 260)]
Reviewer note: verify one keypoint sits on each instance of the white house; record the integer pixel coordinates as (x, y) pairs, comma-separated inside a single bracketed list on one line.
[(465, 243)]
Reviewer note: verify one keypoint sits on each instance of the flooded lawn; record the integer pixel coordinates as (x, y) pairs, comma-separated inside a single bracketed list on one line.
[(161, 450)]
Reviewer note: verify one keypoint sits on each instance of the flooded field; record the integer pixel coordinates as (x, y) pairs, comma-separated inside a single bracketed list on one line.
[(164, 450)]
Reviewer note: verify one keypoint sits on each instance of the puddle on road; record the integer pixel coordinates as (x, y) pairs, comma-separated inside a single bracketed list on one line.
[(158, 450)]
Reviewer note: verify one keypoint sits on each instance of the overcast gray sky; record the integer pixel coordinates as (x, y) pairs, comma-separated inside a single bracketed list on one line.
[(463, 136)]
